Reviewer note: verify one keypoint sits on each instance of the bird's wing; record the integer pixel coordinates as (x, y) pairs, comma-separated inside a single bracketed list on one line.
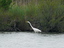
[(36, 29)]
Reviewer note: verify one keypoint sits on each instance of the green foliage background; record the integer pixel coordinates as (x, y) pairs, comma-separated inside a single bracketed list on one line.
[(47, 15), (5, 4)]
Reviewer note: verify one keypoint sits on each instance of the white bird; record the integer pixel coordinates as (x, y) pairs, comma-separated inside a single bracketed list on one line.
[(35, 29)]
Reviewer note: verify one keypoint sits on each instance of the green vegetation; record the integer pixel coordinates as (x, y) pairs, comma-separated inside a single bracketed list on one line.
[(47, 15), (4, 4)]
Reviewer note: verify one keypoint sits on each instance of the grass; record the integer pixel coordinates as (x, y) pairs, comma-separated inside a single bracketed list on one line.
[(46, 15)]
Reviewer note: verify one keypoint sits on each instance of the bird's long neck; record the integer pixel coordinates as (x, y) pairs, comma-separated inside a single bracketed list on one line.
[(30, 25)]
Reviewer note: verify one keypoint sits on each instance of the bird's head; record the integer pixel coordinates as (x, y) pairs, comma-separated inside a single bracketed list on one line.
[(27, 22)]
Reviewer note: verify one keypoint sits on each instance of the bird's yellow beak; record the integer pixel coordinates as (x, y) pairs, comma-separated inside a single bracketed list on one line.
[(26, 22)]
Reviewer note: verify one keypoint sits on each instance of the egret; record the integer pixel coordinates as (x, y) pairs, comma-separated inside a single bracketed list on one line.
[(34, 29)]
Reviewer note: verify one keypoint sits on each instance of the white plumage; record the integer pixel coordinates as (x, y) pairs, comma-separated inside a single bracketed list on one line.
[(35, 29)]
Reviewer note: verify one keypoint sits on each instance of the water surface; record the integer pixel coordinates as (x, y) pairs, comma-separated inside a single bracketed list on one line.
[(31, 40)]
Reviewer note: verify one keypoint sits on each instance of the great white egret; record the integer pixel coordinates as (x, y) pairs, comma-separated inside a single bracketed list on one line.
[(35, 29)]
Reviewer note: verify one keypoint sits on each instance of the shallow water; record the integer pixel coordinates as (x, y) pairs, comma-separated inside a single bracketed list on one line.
[(31, 40)]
